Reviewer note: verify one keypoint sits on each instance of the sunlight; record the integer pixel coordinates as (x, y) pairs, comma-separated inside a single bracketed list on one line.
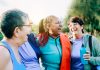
[(38, 9)]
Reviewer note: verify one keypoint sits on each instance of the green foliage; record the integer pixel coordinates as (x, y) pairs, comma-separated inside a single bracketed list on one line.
[(1, 36), (35, 28), (89, 11)]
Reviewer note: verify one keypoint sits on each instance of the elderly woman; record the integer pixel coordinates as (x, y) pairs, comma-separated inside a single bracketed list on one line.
[(54, 46), (15, 26)]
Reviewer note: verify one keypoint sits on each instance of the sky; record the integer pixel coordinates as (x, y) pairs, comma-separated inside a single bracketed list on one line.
[(38, 9)]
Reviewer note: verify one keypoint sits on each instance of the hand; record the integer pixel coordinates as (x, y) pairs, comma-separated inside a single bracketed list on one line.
[(70, 36), (87, 56)]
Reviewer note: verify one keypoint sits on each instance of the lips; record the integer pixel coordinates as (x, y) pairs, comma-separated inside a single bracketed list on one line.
[(59, 28), (74, 29)]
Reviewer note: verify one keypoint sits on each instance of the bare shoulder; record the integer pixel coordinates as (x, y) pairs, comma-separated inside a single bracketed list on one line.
[(4, 57), (4, 52)]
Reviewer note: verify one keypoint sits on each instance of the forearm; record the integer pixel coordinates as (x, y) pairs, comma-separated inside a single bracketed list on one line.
[(95, 60)]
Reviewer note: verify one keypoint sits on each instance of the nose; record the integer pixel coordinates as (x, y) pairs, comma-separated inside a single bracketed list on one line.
[(60, 25)]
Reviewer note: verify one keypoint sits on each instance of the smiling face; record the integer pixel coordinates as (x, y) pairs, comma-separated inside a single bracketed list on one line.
[(75, 28), (21, 32), (26, 29), (54, 26), (75, 25)]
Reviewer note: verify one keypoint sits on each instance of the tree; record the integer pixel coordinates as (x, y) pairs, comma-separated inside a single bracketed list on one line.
[(88, 10)]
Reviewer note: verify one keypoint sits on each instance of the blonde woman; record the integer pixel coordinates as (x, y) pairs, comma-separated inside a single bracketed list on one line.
[(54, 46)]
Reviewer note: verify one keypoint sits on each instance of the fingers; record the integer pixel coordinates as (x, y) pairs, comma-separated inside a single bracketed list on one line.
[(87, 52), (86, 56)]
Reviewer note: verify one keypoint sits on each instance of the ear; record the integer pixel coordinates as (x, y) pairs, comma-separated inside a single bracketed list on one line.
[(48, 26), (82, 27), (16, 31)]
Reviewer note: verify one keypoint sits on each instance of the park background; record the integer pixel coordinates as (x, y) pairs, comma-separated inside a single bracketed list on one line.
[(88, 10)]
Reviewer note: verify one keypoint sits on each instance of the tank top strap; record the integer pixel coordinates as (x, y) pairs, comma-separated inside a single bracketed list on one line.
[(6, 45), (16, 65)]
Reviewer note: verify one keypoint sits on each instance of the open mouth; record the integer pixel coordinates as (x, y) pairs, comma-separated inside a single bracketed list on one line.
[(74, 29), (59, 28)]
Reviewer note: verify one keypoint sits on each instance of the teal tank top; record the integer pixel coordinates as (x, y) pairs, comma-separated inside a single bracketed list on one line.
[(16, 65)]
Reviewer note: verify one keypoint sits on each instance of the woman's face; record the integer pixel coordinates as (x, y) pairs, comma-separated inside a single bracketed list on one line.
[(55, 27), (75, 28), (24, 31)]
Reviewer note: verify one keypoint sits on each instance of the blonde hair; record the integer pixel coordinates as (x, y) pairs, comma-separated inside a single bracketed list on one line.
[(44, 34), (47, 21)]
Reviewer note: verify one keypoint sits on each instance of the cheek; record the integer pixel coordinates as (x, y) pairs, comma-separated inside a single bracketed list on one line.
[(79, 27), (27, 30), (24, 36)]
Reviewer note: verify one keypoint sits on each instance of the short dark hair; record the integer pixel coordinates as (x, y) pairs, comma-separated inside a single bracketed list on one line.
[(77, 20), (12, 19)]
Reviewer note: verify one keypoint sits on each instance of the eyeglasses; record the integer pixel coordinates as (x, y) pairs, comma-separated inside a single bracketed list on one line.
[(28, 24)]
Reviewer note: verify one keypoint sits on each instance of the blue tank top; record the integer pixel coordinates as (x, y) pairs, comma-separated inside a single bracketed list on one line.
[(16, 65)]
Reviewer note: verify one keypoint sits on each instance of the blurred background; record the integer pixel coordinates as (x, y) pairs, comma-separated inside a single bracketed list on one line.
[(88, 10)]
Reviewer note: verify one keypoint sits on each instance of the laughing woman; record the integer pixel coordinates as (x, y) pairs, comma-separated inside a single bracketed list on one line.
[(80, 40), (54, 46), (13, 26)]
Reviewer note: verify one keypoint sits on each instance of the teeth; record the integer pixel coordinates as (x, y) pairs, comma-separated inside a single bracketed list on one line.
[(59, 28)]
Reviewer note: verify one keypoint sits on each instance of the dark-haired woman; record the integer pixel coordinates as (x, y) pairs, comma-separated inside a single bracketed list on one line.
[(80, 40), (15, 26)]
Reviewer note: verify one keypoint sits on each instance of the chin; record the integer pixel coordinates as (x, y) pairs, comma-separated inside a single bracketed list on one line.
[(25, 39)]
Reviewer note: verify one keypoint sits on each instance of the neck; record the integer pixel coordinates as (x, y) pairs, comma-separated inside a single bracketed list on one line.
[(13, 43), (78, 36), (54, 35)]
